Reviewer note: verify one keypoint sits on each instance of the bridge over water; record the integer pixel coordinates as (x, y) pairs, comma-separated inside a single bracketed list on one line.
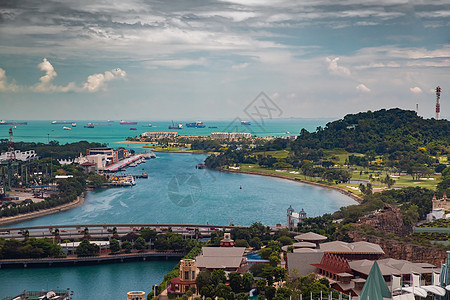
[(108, 230)]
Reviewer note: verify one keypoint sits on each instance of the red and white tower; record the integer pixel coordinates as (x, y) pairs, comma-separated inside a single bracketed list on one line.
[(438, 102)]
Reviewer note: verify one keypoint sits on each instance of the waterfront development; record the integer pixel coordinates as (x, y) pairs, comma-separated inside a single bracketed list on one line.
[(224, 198)]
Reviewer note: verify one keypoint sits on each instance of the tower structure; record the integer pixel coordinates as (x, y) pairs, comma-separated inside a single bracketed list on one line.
[(11, 153), (438, 102)]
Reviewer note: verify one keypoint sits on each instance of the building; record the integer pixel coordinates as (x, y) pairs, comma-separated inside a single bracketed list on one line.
[(71, 247), (293, 218), (23, 156), (110, 153), (438, 209), (188, 274), (136, 295), (159, 135), (230, 135), (227, 241), (229, 259)]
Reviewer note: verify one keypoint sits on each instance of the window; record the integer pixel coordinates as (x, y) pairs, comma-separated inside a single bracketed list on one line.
[(186, 275)]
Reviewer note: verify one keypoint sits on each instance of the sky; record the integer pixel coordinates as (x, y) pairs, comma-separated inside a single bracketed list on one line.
[(191, 60)]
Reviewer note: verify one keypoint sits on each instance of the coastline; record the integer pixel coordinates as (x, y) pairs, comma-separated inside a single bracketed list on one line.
[(357, 198), (40, 213)]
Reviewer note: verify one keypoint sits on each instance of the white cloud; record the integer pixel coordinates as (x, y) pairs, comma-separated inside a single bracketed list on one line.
[(240, 66), (362, 88), (4, 86), (416, 90), (98, 81), (335, 69), (45, 85)]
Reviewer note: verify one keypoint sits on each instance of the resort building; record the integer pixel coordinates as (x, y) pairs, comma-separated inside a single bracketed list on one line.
[(438, 209), (229, 259), (71, 247), (159, 135), (230, 135), (111, 155), (188, 274), (293, 218)]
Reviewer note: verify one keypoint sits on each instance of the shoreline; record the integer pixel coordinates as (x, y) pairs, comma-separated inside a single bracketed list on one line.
[(357, 198), (40, 213)]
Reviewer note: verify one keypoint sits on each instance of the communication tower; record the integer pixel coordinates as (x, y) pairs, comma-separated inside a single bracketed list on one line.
[(11, 153), (438, 103)]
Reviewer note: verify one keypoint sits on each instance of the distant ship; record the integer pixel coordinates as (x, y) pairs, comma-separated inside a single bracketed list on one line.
[(198, 124), (13, 123), (147, 125), (133, 128), (74, 124), (127, 123), (60, 122), (246, 123), (179, 126), (89, 125), (212, 126), (67, 128)]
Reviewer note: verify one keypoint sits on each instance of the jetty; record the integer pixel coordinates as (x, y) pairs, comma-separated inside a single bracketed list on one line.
[(129, 162)]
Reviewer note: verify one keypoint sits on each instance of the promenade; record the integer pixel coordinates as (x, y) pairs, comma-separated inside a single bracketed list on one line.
[(89, 260)]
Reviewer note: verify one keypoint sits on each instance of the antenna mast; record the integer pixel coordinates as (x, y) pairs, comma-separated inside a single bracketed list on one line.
[(11, 153), (438, 103)]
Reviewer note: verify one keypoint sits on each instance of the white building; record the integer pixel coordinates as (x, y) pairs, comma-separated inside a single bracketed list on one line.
[(230, 135), (23, 156)]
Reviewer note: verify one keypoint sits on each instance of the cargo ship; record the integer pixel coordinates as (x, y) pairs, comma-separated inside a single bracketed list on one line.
[(246, 123), (13, 123), (61, 122), (179, 126), (89, 125), (198, 124), (127, 123)]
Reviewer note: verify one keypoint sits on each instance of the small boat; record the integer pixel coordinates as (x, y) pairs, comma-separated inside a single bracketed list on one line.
[(133, 128), (74, 124), (287, 132), (147, 125), (212, 126), (246, 123), (89, 125), (67, 128)]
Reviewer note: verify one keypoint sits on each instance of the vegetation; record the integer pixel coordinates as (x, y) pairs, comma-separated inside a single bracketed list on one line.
[(29, 248)]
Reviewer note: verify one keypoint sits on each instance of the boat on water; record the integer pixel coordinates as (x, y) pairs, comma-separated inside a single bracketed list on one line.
[(246, 123), (89, 125), (198, 124), (67, 128), (13, 123), (133, 128), (147, 125), (212, 126), (74, 124), (60, 122), (127, 123), (179, 126)]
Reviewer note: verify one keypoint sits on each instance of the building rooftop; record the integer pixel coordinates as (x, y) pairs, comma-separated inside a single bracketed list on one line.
[(353, 248), (389, 266), (220, 257), (310, 236)]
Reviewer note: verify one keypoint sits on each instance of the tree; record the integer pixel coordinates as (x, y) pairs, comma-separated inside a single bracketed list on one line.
[(261, 285), (87, 249), (127, 246), (255, 243), (148, 233), (265, 253), (242, 296), (203, 279), (270, 292), (218, 276), (241, 243), (223, 291), (140, 244), (235, 280), (274, 259), (285, 240), (247, 282), (114, 246)]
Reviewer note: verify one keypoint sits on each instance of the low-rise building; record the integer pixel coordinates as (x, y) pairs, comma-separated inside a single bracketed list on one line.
[(159, 135), (19, 155), (188, 274), (230, 135), (229, 259)]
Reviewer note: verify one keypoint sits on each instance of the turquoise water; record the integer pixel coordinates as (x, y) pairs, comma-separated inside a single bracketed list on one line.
[(207, 196), (104, 132), (88, 282), (219, 198)]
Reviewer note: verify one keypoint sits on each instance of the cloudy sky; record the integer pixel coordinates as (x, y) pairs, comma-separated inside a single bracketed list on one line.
[(163, 60)]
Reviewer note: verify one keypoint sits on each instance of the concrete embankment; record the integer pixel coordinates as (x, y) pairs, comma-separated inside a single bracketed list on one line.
[(43, 212), (341, 190)]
